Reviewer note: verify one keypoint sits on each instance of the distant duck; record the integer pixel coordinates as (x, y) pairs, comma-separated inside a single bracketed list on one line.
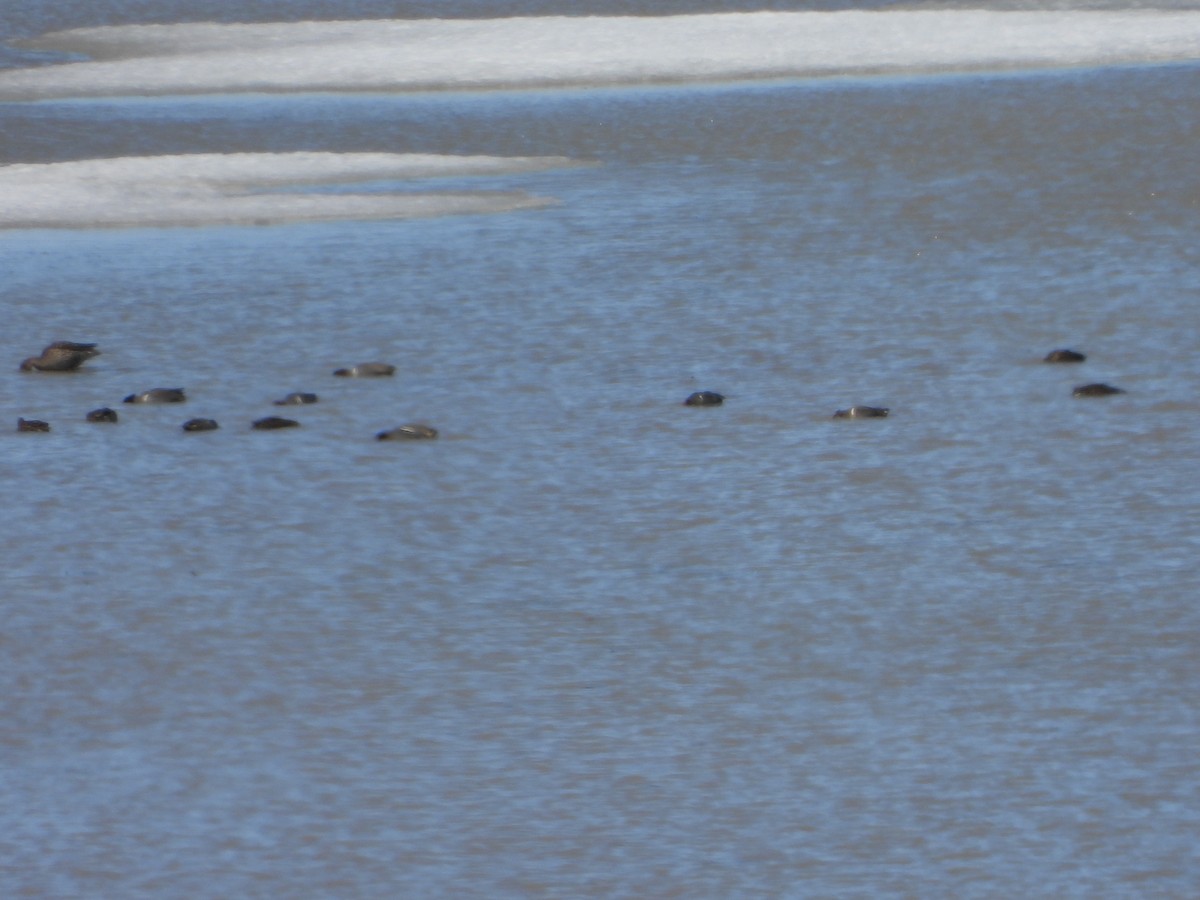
[(61, 356), (1096, 390), (1065, 356), (270, 423), (366, 370), (704, 398), (410, 432), (32, 425), (296, 398), (200, 425), (103, 414), (862, 412), (158, 395)]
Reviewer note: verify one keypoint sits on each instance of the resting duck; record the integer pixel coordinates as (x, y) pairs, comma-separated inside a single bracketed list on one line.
[(1096, 390), (104, 414), (407, 433), (296, 398), (32, 425), (364, 370), (61, 356), (270, 423), (200, 425), (704, 398), (1065, 356), (862, 412), (158, 395)]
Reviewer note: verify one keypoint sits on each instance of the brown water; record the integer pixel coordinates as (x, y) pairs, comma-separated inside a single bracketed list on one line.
[(591, 642)]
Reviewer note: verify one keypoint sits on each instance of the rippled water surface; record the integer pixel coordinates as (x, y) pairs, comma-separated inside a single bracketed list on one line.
[(592, 642)]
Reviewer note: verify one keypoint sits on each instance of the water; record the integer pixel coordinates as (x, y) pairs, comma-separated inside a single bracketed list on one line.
[(591, 642)]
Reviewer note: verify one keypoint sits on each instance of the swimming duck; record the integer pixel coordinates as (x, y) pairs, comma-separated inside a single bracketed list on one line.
[(270, 423), (1096, 390), (407, 433), (862, 412), (1065, 356), (704, 398), (61, 356), (296, 399), (158, 395), (363, 370), (32, 425), (200, 425)]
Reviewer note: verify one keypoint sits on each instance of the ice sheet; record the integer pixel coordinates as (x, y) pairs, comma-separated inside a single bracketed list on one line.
[(247, 188), (550, 51)]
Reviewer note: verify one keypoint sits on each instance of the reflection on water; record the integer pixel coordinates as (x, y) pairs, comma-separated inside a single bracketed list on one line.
[(592, 641)]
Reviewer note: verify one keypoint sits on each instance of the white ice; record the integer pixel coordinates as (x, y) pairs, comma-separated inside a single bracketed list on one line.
[(388, 55), (247, 188)]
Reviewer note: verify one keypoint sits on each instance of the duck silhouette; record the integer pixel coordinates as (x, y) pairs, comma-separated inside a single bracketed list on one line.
[(270, 423), (1065, 356), (61, 356), (1096, 390), (200, 425), (158, 395), (704, 398), (410, 432), (862, 412), (297, 398), (103, 414), (366, 370)]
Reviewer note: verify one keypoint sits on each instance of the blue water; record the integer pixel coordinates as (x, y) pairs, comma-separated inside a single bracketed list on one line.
[(591, 642)]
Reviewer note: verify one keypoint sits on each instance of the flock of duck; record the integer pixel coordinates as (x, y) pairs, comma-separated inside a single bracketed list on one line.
[(67, 356), (1096, 389)]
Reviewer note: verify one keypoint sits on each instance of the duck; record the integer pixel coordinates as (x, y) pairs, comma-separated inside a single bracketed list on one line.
[(103, 414), (408, 432), (1096, 390), (297, 398), (270, 423), (704, 398), (32, 425), (158, 395), (862, 412), (364, 370), (61, 356), (1065, 356), (200, 425)]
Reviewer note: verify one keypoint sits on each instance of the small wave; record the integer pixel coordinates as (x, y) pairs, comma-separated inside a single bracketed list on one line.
[(410, 55), (244, 188)]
